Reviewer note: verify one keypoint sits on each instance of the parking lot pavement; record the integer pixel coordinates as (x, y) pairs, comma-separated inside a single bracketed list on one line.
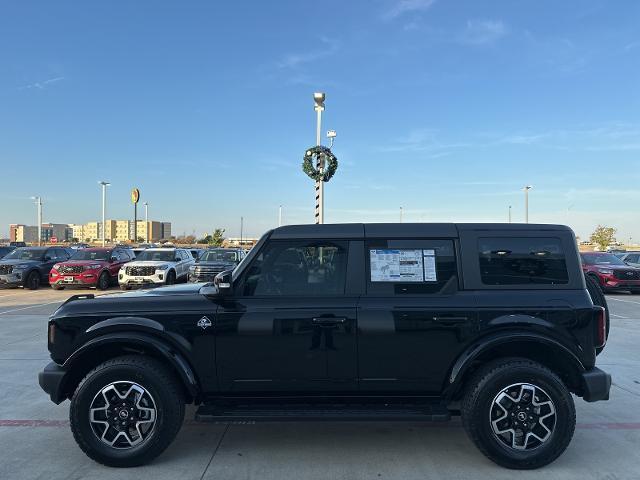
[(36, 442)]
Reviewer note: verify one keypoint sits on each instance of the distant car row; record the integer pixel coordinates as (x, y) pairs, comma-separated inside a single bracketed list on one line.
[(100, 268), (613, 272)]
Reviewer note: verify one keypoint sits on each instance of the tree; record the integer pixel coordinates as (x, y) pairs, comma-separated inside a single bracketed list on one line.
[(603, 236), (217, 237)]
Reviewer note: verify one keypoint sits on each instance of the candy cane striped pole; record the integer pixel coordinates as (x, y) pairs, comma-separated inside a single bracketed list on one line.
[(319, 211)]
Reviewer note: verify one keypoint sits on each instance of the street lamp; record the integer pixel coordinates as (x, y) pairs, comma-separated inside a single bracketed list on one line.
[(38, 201), (526, 202), (280, 216), (509, 213), (146, 220), (104, 209)]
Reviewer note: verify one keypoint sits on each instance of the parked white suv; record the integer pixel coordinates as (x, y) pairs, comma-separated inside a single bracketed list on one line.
[(156, 266)]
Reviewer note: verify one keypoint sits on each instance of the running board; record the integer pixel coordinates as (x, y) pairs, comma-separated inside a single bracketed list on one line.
[(280, 413)]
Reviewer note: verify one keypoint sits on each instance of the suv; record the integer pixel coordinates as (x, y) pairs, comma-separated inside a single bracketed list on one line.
[(90, 267), (346, 322), (29, 266), (610, 272), (631, 258), (213, 261), (156, 266)]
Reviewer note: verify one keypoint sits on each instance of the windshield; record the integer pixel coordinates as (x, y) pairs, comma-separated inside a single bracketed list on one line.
[(100, 255), (601, 259), (156, 255), (223, 256), (26, 254)]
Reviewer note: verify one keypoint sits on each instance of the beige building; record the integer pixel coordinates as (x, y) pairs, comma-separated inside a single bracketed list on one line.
[(25, 233)]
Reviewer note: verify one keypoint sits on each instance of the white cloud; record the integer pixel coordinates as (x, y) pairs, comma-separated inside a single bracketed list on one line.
[(42, 84), (483, 32), (402, 7), (294, 60)]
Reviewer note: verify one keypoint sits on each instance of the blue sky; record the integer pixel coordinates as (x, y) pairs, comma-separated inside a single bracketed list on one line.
[(447, 108)]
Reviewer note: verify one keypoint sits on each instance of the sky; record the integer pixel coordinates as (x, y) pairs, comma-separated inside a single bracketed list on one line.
[(445, 108)]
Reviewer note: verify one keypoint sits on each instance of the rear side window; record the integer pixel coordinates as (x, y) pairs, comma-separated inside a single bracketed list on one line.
[(522, 261), (404, 266)]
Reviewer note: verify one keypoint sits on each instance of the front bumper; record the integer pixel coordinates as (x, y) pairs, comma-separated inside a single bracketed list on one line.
[(51, 380), (159, 278), (595, 385), (609, 282), (86, 279), (11, 280)]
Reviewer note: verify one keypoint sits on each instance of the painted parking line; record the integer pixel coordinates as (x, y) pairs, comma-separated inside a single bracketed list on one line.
[(191, 423), (31, 306), (623, 301), (618, 316)]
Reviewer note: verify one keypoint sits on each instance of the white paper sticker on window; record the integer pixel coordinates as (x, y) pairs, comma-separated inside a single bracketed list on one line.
[(391, 265), (429, 261)]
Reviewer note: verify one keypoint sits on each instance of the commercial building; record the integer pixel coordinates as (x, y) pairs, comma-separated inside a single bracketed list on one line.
[(60, 232)]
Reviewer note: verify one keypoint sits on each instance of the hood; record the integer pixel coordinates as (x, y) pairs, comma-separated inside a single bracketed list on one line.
[(15, 261), (84, 263), (216, 264), (149, 263), (616, 267)]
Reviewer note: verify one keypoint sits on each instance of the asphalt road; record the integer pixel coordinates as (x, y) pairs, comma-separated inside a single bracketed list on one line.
[(35, 440)]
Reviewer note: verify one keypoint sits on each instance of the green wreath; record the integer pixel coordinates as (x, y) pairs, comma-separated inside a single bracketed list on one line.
[(329, 161)]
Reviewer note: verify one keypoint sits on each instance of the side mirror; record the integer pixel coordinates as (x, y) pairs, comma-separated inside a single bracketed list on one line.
[(113, 259), (224, 282), (47, 258)]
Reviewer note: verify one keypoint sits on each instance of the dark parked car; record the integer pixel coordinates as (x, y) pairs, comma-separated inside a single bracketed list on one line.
[(17, 244), (631, 258), (213, 261), (29, 266), (90, 267), (346, 322), (610, 272), (4, 250)]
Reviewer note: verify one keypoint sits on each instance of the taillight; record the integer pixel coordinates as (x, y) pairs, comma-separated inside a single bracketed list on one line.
[(601, 325), (52, 333)]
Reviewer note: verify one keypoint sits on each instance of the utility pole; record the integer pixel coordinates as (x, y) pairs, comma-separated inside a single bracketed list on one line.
[(400, 214), (280, 216), (241, 229), (509, 213), (146, 220), (104, 209), (526, 203), (318, 98), (39, 215)]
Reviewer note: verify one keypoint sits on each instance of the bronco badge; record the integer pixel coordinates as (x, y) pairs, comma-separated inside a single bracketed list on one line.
[(204, 322)]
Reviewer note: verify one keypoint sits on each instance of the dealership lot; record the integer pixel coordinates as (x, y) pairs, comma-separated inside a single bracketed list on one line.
[(604, 445)]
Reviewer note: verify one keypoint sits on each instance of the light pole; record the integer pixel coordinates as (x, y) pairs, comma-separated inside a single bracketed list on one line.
[(400, 214), (104, 209), (241, 229), (509, 213), (526, 203), (280, 216), (146, 220), (318, 98), (38, 201)]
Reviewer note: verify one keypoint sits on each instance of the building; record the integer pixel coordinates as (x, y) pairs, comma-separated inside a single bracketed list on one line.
[(77, 230), (236, 242), (23, 233)]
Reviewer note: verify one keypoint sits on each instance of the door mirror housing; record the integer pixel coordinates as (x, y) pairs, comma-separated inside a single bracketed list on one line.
[(113, 259), (48, 258), (224, 282)]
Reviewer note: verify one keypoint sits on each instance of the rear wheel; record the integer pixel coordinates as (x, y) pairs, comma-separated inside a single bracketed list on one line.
[(32, 281), (104, 281), (126, 411), (519, 413)]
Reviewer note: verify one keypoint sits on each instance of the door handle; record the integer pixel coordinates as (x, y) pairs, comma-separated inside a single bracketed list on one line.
[(328, 320), (446, 319)]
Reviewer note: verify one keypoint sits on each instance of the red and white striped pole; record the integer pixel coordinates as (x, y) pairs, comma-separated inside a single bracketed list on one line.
[(318, 98)]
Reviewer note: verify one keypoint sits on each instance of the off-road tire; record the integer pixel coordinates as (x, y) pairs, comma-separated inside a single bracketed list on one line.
[(104, 281), (32, 282), (482, 388), (153, 376)]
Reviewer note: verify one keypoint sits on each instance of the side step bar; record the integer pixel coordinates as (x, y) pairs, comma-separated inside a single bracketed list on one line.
[(280, 413)]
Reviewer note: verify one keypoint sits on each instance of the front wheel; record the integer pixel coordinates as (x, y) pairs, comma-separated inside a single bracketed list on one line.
[(171, 277), (33, 281), (519, 413), (126, 411)]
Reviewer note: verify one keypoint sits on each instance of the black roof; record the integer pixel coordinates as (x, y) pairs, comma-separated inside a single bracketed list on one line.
[(396, 230)]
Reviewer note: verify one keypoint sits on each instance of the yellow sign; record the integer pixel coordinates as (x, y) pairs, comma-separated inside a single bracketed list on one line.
[(135, 195)]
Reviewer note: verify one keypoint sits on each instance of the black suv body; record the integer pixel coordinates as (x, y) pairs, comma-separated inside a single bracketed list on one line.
[(346, 322), (30, 266)]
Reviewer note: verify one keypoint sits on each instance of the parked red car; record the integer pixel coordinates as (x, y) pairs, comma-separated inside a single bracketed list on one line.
[(90, 267), (610, 272)]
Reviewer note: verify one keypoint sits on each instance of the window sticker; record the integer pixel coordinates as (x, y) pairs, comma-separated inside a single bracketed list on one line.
[(429, 261), (400, 265)]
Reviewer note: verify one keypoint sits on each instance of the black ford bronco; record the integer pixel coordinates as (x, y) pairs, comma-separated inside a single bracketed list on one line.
[(493, 322)]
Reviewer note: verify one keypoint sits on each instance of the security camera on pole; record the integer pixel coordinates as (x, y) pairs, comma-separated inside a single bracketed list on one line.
[(318, 162)]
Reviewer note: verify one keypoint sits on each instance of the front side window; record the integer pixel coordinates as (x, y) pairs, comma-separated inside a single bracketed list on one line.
[(301, 268), (522, 261)]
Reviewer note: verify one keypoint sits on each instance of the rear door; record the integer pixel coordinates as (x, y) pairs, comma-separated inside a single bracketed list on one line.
[(414, 320), (291, 323)]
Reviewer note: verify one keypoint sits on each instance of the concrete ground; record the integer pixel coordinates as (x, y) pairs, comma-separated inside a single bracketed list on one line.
[(35, 440)]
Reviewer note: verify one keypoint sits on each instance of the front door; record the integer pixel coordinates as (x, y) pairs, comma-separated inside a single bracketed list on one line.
[(290, 325)]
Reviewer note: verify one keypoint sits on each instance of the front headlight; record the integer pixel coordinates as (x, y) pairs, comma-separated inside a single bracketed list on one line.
[(56, 266), (605, 271), (162, 267)]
